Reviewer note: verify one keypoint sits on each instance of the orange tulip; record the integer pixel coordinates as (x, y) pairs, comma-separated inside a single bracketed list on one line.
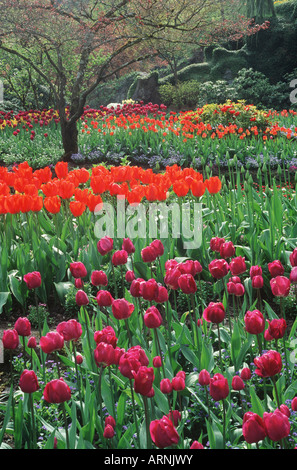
[(52, 204), (198, 188), (77, 208), (213, 184)]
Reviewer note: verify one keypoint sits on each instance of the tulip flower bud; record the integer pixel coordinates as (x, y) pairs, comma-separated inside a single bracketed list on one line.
[(81, 298), (166, 386), (237, 383), (129, 276), (157, 362), (32, 343), (245, 374), (204, 378), (196, 445), (28, 381)]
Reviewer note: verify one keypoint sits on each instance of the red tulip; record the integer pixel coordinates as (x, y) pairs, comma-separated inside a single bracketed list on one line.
[(157, 362), (104, 354), (257, 282), (162, 294), (218, 387), (245, 374), (32, 343), (57, 391), (294, 404), (171, 278), (130, 276), (135, 287), (277, 327), (253, 428), (128, 246), (78, 270), (131, 360), (105, 245), (196, 445), (99, 278), (255, 271), (214, 313), (106, 335), (293, 275), (119, 258), (277, 425), (204, 378), (293, 258), (276, 268), (285, 410), (122, 309), (28, 381), (218, 268), (235, 288), (153, 318), (158, 247), (254, 322), (237, 266), (269, 364), (216, 243), (174, 416), (149, 289), (187, 284), (143, 380), (33, 280), (51, 342), (178, 383), (108, 432), (10, 339), (166, 386), (149, 254), (163, 433), (71, 330), (104, 298), (110, 420), (23, 326), (237, 383), (79, 359), (280, 286), (227, 250), (81, 298)]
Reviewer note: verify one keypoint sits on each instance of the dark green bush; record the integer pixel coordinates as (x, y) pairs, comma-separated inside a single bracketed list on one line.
[(184, 94)]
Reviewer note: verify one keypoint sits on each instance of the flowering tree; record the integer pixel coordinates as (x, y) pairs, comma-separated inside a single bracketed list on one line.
[(74, 45)]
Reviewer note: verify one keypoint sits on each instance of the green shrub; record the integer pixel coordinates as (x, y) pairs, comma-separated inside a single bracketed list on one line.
[(216, 92), (184, 94)]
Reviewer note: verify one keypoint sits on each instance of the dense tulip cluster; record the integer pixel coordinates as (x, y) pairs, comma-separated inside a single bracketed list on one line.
[(23, 190), (134, 340)]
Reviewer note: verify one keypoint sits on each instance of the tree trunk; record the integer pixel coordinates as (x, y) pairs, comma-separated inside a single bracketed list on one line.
[(69, 140)]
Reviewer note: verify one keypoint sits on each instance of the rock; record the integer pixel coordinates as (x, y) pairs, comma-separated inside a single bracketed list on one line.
[(147, 88)]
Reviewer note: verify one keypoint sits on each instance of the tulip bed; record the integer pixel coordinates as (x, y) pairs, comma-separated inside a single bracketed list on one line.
[(150, 135), (165, 347), (147, 343)]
